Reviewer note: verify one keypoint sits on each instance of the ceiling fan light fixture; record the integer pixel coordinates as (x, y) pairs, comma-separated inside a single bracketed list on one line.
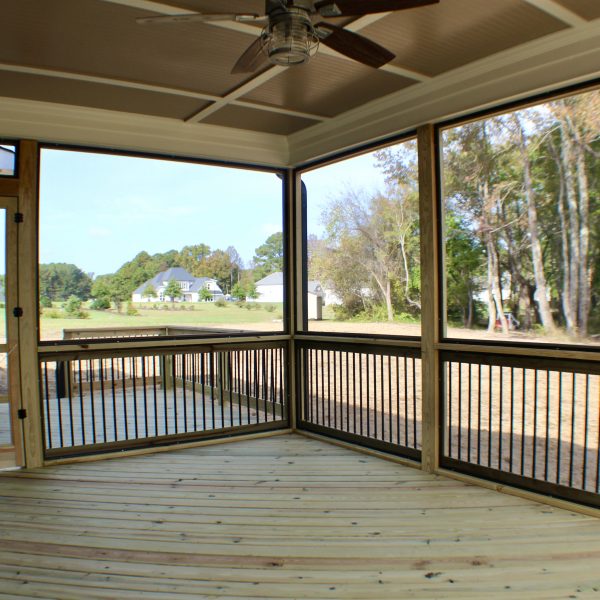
[(290, 38)]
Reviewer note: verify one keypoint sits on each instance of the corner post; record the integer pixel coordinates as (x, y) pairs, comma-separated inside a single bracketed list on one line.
[(430, 297), (27, 291)]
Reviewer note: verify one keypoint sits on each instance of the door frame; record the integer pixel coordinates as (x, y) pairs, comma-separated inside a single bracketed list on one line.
[(10, 204)]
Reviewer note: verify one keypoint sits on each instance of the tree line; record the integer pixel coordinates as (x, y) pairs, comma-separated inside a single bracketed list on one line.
[(60, 281), (521, 199)]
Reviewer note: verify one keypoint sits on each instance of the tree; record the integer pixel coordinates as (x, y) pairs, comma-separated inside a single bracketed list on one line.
[(173, 290), (268, 257), (218, 266), (149, 291), (59, 281), (205, 295)]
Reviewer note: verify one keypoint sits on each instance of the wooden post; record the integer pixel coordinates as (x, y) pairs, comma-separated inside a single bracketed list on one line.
[(166, 367), (293, 225), (430, 330), (28, 301)]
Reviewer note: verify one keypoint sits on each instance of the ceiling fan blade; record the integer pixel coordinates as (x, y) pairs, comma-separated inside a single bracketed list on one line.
[(353, 45), (199, 17), (343, 8), (252, 58)]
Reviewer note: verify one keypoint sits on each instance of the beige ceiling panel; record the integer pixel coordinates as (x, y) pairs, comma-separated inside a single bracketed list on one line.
[(103, 39), (52, 89), (588, 9), (435, 39), (224, 6), (327, 86), (257, 120)]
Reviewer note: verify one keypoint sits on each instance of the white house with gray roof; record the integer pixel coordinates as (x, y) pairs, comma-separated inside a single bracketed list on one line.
[(270, 289), (191, 287)]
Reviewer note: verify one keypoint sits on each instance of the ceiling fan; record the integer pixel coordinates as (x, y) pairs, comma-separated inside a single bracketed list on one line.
[(291, 38)]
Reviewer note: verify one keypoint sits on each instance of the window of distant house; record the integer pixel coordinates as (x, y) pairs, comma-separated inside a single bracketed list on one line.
[(155, 243), (521, 199), (7, 160), (363, 250)]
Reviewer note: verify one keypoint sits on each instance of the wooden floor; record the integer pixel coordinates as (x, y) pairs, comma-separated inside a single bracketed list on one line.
[(281, 517)]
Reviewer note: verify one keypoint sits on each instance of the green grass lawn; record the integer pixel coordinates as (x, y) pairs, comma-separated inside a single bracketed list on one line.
[(205, 314)]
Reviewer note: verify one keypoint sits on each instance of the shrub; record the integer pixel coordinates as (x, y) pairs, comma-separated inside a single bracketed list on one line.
[(73, 308), (220, 302), (53, 314), (131, 310), (270, 308), (101, 303), (45, 302)]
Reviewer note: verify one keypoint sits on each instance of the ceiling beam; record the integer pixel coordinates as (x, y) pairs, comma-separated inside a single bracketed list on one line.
[(355, 26), (235, 95), (135, 85), (559, 12)]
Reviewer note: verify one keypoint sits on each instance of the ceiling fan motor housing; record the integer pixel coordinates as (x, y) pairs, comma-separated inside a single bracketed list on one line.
[(290, 37)]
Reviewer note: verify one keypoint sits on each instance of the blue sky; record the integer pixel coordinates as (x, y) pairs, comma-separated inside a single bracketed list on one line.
[(99, 210)]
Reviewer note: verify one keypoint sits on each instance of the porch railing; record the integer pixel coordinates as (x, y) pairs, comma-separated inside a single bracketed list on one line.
[(529, 422), (362, 393), (102, 401)]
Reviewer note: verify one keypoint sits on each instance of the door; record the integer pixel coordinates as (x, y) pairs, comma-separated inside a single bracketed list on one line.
[(11, 450)]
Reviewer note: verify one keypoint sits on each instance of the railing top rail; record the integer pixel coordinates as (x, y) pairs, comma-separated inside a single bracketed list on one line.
[(528, 362), (214, 345), (362, 348)]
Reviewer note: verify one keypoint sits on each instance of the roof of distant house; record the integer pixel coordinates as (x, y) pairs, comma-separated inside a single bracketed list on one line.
[(314, 287), (177, 274)]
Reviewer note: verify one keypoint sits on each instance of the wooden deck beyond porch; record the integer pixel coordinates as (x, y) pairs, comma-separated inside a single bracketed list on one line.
[(281, 517)]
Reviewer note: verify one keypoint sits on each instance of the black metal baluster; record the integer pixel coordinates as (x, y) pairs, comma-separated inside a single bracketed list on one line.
[(449, 376), (155, 395), (405, 403), (70, 397), (114, 397), (184, 391), (91, 377), (523, 418), (414, 395), (512, 420), (479, 414), (572, 444), (47, 399), (103, 396), (123, 385), (81, 407), (134, 390), (360, 395), (490, 413), (165, 377), (585, 432), (469, 410), (390, 394), (353, 392), (535, 423), (547, 445), (59, 403), (374, 394), (559, 436), (500, 417), (368, 386)]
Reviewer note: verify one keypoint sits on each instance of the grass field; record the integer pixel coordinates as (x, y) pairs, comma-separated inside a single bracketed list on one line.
[(204, 314)]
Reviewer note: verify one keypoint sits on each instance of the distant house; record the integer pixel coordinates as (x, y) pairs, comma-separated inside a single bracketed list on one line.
[(7, 161), (270, 289), (191, 287)]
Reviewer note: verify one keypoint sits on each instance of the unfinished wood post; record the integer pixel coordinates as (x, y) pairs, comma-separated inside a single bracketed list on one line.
[(166, 367), (27, 293), (295, 258), (428, 219)]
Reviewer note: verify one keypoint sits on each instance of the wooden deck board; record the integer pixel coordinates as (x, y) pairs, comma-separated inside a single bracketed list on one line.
[(280, 518)]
